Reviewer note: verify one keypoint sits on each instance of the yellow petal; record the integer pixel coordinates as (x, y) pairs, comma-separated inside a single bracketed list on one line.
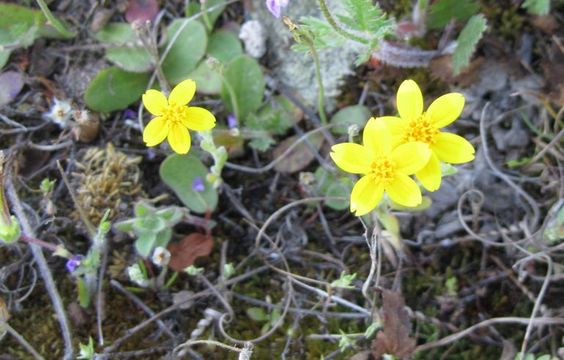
[(179, 139), (155, 132), (377, 137), (409, 100), (452, 148), (445, 109), (154, 101), (351, 157), (198, 119), (397, 127), (404, 191), (365, 196), (430, 175), (411, 157), (183, 92)]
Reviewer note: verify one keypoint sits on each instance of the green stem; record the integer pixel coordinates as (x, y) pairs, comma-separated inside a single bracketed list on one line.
[(321, 89), (204, 9), (331, 20), (54, 21)]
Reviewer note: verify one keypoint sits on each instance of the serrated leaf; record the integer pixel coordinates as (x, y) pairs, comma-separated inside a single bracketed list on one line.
[(187, 50), (243, 80), (179, 172), (467, 41), (537, 7), (365, 15), (323, 34), (115, 89), (443, 11), (262, 143), (351, 115), (224, 46)]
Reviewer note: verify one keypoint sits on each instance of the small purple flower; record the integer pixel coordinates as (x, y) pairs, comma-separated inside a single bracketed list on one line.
[(129, 114), (275, 6), (73, 263), (198, 184), (231, 121)]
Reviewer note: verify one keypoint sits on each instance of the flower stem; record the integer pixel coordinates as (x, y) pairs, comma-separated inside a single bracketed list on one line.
[(54, 21), (41, 243), (331, 20), (321, 89)]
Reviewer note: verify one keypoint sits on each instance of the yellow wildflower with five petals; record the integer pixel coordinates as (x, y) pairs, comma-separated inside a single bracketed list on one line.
[(415, 125), (384, 168), (173, 117)]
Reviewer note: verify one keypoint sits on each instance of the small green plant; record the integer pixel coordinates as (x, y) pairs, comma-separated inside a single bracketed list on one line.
[(268, 318), (87, 350), (152, 227)]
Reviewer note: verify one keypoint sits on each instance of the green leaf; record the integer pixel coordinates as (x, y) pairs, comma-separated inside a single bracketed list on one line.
[(187, 50), (323, 34), (467, 41), (224, 46), (4, 56), (114, 89), (83, 293), (330, 185), (209, 80), (212, 16), (163, 238), (257, 314), (537, 7), (21, 27), (125, 225), (142, 208), (425, 204), (150, 224), (171, 215), (443, 11), (179, 172), (116, 34), (365, 15), (351, 115), (130, 59), (145, 243), (344, 281), (243, 86), (274, 117)]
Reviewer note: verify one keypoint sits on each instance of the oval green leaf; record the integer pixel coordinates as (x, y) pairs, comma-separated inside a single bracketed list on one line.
[(115, 89), (179, 172)]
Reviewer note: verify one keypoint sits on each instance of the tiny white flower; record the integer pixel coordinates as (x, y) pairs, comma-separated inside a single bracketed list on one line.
[(161, 256), (60, 112)]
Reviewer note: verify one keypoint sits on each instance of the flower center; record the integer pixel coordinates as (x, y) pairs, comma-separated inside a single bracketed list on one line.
[(382, 170), (175, 114), (421, 130)]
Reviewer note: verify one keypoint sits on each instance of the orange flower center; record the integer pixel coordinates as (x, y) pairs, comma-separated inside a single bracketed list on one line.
[(421, 130), (175, 114), (382, 169)]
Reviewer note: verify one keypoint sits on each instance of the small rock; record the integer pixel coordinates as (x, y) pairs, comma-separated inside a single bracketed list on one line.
[(253, 36)]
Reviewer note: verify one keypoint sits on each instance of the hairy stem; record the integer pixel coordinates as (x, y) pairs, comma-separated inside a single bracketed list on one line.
[(331, 20)]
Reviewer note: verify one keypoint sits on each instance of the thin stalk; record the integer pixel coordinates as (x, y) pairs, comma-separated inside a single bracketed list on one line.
[(321, 89), (43, 270), (331, 20), (23, 342), (54, 21)]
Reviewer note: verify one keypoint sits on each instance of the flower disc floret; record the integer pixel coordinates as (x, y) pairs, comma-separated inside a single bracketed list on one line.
[(384, 169), (413, 124), (173, 117)]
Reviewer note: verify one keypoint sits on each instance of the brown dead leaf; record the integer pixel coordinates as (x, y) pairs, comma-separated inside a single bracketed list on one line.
[(441, 67), (186, 251), (553, 69), (364, 355), (547, 23), (394, 339), (300, 156), (141, 10)]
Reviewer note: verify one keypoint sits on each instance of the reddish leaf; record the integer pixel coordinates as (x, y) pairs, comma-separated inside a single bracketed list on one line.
[(186, 251), (141, 10), (395, 338)]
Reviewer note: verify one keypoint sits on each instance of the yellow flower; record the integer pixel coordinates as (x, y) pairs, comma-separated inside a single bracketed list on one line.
[(415, 125), (384, 168), (174, 117)]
